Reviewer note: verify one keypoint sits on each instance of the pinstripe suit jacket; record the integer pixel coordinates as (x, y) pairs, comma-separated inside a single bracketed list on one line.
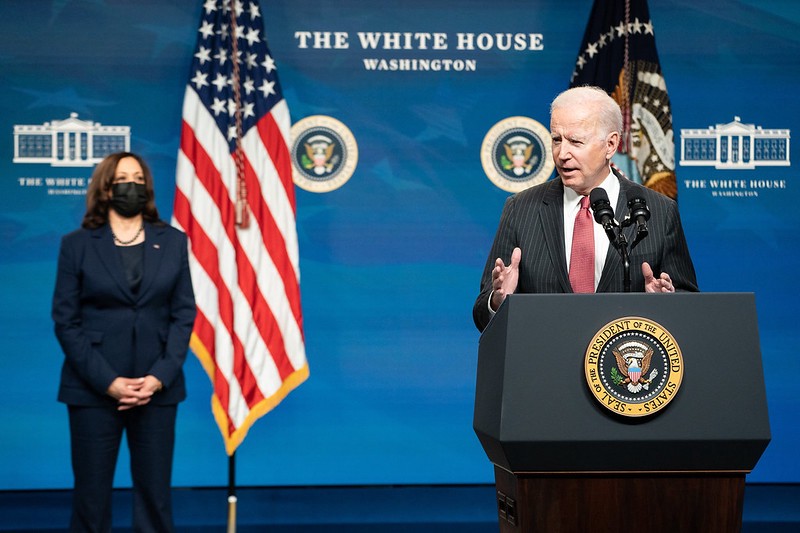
[(533, 220)]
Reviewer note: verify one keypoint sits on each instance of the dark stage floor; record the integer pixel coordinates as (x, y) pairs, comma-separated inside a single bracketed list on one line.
[(390, 509)]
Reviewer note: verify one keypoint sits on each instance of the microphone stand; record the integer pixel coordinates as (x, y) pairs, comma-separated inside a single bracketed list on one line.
[(621, 244)]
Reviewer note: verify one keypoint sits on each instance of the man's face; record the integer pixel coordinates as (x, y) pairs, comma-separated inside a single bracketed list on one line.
[(580, 152)]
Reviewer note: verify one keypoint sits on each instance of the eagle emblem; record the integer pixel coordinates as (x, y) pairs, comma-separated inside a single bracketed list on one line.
[(516, 154), (324, 153), (633, 364), (319, 156), (517, 158)]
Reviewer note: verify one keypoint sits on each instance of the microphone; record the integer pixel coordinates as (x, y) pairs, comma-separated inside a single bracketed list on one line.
[(604, 215), (638, 212), (603, 212)]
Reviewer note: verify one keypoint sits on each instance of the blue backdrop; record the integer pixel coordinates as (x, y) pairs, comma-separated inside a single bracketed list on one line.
[(390, 261)]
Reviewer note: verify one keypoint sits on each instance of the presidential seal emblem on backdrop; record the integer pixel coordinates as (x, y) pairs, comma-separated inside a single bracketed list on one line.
[(324, 153), (516, 154), (633, 366)]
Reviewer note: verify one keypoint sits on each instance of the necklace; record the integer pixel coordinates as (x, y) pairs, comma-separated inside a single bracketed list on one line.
[(126, 243)]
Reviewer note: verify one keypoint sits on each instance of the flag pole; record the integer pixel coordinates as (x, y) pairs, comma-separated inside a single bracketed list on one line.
[(232, 493)]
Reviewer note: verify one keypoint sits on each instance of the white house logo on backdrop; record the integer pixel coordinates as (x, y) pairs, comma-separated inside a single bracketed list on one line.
[(516, 154), (71, 142), (324, 153), (735, 146), (739, 147)]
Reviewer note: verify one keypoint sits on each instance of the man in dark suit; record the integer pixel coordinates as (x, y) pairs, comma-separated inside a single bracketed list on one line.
[(533, 248)]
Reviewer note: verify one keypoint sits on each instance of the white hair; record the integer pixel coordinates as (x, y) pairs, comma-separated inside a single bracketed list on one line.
[(609, 113)]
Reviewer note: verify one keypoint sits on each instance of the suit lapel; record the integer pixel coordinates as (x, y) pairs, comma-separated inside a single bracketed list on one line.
[(106, 250), (553, 223), (622, 207), (153, 252)]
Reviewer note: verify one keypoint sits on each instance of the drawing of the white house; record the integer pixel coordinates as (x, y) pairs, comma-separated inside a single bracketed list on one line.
[(71, 142), (735, 146)]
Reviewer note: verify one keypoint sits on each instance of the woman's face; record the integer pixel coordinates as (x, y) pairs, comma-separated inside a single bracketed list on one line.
[(128, 169)]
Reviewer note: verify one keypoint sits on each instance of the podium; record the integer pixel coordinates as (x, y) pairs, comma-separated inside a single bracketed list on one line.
[(564, 462)]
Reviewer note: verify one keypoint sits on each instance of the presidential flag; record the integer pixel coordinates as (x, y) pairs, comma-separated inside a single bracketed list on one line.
[(235, 200), (618, 53)]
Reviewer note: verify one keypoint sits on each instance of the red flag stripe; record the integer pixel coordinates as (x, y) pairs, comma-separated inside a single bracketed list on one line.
[(231, 370), (205, 170), (265, 221), (249, 332), (264, 319), (205, 253), (209, 178), (273, 240), (274, 141), (203, 339)]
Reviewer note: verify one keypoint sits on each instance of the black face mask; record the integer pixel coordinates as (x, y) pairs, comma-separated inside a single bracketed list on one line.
[(128, 198)]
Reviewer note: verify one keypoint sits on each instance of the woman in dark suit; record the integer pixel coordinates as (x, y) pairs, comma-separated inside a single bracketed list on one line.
[(123, 308)]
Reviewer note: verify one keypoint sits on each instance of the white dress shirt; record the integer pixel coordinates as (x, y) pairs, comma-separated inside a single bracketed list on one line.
[(572, 201), (572, 204)]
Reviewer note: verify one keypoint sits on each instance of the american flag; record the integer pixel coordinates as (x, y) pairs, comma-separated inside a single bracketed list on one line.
[(235, 200), (618, 53)]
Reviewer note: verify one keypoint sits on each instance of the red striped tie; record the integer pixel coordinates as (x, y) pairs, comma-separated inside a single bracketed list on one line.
[(581, 259)]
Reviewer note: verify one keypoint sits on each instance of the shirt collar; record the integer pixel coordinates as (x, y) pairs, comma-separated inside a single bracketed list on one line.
[(610, 184)]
